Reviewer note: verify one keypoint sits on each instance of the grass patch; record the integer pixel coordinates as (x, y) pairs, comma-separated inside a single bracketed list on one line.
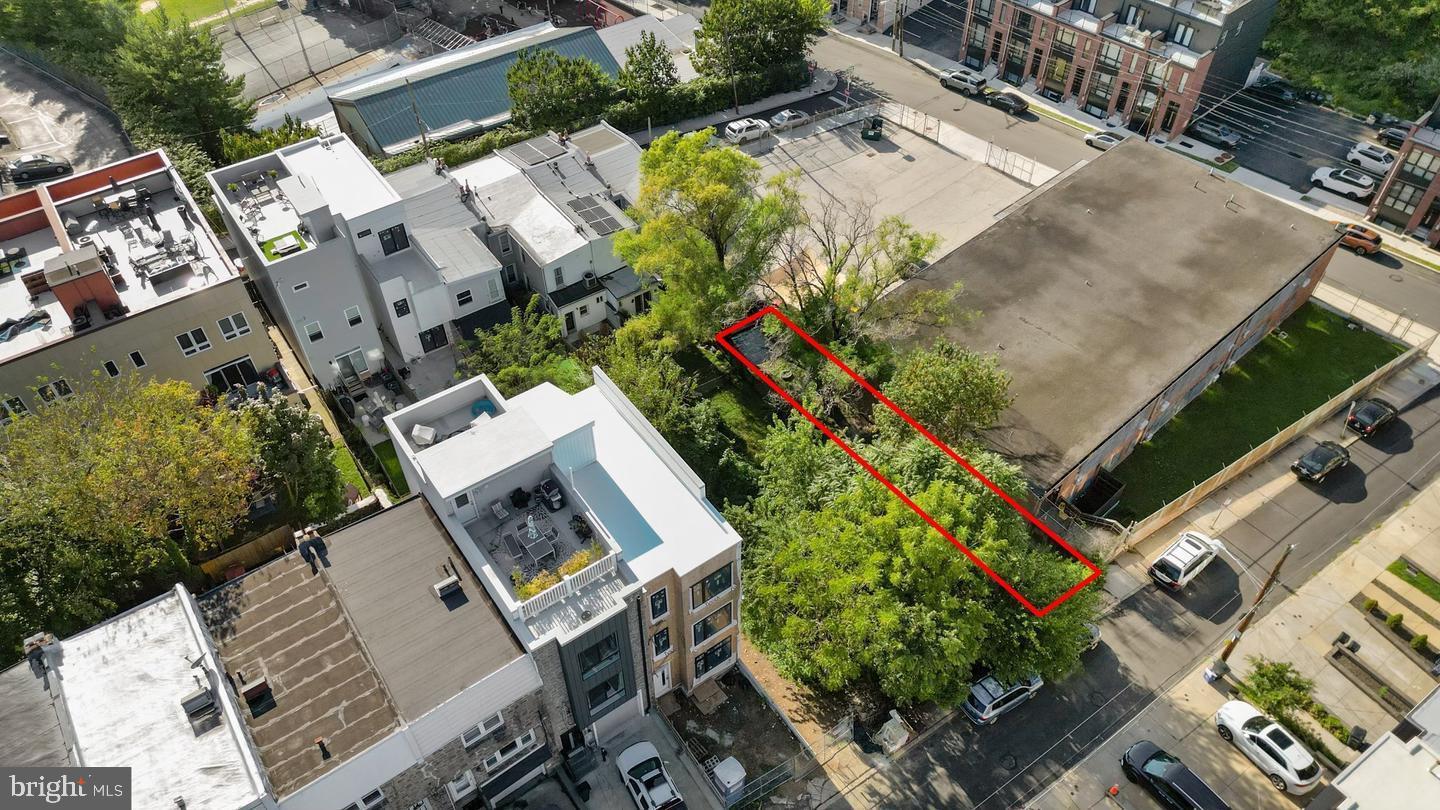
[(200, 9), (1227, 167), (349, 470), (268, 247), (1420, 580), (1279, 381), (390, 463), (1064, 119), (745, 413)]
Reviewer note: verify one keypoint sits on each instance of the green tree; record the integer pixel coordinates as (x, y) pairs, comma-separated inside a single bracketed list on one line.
[(709, 226), (847, 586), (649, 73), (245, 144), (169, 76), (124, 458), (62, 581), (748, 36), (296, 456), (836, 265), (553, 92), (1276, 687), (949, 389), (519, 354), (80, 33)]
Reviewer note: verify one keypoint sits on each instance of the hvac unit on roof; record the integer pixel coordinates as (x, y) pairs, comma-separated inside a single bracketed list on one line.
[(446, 586), (591, 281), (199, 703)]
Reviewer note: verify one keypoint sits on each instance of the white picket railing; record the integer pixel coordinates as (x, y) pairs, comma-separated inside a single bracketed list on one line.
[(568, 586)]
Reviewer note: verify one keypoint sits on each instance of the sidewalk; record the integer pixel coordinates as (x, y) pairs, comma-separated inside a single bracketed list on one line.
[(821, 83), (1300, 631), (1319, 202)]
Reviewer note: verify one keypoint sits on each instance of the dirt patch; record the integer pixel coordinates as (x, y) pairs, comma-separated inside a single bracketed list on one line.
[(744, 727)]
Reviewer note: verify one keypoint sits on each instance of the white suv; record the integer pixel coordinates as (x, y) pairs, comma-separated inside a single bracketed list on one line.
[(989, 698), (1268, 744), (1347, 182), (963, 79), (1371, 157), (1184, 560), (745, 130)]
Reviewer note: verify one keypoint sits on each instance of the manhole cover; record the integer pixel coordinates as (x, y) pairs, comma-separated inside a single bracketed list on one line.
[(1097, 698), (1008, 762), (1396, 277)]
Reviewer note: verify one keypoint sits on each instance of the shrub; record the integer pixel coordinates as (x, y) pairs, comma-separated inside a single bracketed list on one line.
[(1370, 605), (1419, 643), (534, 586), (1393, 620), (457, 153), (580, 559)]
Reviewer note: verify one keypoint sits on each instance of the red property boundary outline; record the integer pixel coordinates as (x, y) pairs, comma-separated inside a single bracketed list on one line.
[(722, 337)]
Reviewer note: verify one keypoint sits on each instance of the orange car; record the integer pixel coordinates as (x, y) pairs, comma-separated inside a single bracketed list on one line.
[(1364, 241)]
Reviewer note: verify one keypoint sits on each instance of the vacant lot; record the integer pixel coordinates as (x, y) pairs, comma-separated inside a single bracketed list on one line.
[(1283, 379)]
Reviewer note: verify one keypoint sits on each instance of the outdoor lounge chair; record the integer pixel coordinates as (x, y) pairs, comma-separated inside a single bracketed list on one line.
[(498, 509), (512, 546)]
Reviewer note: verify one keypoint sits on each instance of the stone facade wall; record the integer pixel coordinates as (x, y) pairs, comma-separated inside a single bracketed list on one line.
[(553, 695)]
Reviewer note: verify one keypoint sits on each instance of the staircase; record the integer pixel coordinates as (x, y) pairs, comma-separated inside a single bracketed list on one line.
[(443, 36)]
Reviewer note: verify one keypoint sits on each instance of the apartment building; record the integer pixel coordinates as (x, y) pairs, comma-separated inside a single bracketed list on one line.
[(365, 270), (374, 671), (592, 536), (553, 205), (115, 271), (146, 691), (1398, 769), (1148, 65), (1409, 197)]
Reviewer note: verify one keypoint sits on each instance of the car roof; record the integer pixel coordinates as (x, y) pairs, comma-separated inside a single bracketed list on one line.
[(1187, 782), (1188, 546), (636, 754)]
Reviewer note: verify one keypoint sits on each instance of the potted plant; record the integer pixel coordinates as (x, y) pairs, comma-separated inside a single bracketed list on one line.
[(232, 187)]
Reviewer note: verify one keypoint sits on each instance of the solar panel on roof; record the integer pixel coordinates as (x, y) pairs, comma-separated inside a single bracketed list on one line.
[(593, 212), (527, 153), (548, 149), (607, 225)]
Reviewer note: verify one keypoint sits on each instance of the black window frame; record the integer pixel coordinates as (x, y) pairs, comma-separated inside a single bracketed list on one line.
[(704, 667), (656, 649), (111, 369), (663, 597), (603, 658), (464, 298), (393, 239), (401, 307), (728, 569), (712, 630)]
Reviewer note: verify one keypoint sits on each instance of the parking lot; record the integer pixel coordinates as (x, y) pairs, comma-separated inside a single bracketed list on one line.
[(608, 790), (42, 117)]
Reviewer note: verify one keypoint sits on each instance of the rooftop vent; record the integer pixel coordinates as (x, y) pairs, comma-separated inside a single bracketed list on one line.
[(591, 282), (199, 703), (424, 435), (446, 586)]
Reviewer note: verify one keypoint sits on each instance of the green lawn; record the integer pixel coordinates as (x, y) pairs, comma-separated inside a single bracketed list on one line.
[(745, 413), (385, 451), (1420, 580), (1281, 380), (349, 470), (268, 247), (200, 9)]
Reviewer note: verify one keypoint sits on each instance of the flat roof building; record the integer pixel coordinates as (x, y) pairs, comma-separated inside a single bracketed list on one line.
[(1399, 769), (1116, 293)]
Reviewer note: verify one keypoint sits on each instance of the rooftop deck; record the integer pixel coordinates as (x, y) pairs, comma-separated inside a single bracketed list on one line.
[(144, 233)]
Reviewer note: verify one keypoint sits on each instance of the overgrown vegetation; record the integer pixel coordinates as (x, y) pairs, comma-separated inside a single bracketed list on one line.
[(1370, 54), (1277, 689)]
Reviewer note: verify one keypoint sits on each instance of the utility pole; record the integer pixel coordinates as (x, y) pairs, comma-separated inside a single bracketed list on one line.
[(420, 125), (900, 30), (1220, 667)]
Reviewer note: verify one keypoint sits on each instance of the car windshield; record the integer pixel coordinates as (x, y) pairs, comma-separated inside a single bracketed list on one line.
[(646, 770), (1167, 568), (1160, 763), (1256, 724), (1315, 460)]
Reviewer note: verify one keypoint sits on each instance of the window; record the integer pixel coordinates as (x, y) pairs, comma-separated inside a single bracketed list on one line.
[(1087, 6), (111, 369), (718, 582), (1132, 15), (559, 277), (707, 661), (601, 654), (304, 285), (494, 286), (1155, 71), (510, 277), (503, 240), (662, 641), (461, 787), (363, 234), (1065, 37), (659, 604), (393, 239), (1422, 165), (352, 316), (137, 359), (477, 733), (604, 692), (11, 409), (1403, 197), (402, 308), (1110, 54), (371, 800), (233, 373), (233, 326), (1184, 77), (51, 391), (314, 332), (193, 342), (464, 298), (584, 310), (509, 750), (1183, 34), (706, 628)]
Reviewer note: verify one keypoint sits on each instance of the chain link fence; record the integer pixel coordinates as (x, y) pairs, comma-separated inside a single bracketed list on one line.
[(72, 80)]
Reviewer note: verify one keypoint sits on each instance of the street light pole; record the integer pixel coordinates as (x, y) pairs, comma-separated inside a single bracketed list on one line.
[(1220, 666)]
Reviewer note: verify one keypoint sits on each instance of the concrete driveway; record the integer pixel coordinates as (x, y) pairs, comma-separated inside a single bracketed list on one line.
[(42, 116), (609, 791)]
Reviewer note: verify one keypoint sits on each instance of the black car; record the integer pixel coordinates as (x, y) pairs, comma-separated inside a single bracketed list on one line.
[(1384, 119), (1369, 415), (35, 167), (1167, 779), (1009, 102), (1393, 137), (1276, 91), (1323, 459)]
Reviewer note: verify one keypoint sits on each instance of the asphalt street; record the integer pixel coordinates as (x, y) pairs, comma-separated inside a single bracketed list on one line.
[(1396, 284), (1288, 143)]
